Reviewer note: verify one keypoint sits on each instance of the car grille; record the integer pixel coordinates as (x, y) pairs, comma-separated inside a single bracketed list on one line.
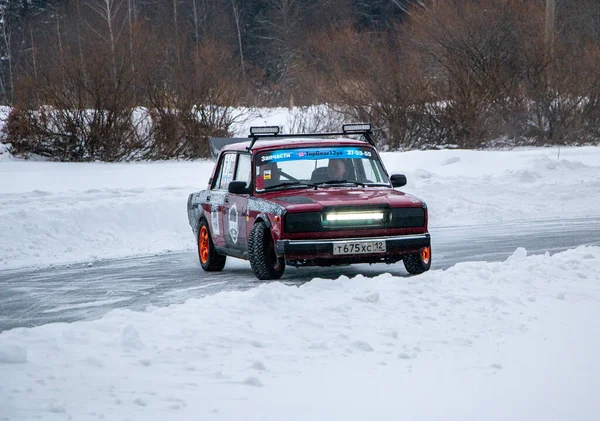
[(407, 218), (373, 218), (303, 222)]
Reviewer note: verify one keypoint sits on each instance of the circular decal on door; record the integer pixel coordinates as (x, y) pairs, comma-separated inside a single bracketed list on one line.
[(233, 224)]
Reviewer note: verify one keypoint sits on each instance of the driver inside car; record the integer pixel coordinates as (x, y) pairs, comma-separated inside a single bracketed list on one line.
[(336, 169)]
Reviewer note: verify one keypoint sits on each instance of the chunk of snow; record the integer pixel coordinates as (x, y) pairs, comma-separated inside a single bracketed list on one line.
[(57, 409), (519, 254), (259, 365), (369, 298), (12, 354), (253, 381), (363, 345), (130, 338)]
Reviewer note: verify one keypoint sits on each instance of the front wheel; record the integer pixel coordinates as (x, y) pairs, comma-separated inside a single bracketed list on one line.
[(210, 260), (261, 253), (417, 263)]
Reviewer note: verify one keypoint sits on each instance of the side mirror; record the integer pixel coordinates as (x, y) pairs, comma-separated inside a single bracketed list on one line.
[(398, 180), (238, 187)]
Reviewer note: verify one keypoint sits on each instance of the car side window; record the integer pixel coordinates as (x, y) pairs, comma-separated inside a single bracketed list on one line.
[(226, 173), (373, 173), (217, 179), (370, 173), (242, 172)]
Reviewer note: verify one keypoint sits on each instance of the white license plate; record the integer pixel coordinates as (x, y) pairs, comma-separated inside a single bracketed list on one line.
[(363, 247)]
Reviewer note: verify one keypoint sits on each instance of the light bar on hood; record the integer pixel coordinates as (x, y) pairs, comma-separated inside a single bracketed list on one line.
[(354, 216)]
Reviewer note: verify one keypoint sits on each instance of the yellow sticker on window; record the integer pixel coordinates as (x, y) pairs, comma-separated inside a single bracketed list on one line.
[(267, 174)]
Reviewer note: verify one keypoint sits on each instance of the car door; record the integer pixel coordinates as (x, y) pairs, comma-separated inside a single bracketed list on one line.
[(236, 208), (217, 198)]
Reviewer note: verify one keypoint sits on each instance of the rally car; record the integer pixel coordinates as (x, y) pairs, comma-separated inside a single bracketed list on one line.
[(317, 199)]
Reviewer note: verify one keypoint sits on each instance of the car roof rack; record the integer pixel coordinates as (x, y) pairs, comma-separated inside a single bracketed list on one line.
[(261, 132)]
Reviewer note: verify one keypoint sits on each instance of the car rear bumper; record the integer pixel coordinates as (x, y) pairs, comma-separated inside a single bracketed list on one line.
[(395, 245)]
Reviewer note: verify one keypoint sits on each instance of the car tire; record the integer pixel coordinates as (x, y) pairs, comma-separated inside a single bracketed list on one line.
[(210, 259), (418, 263), (261, 253)]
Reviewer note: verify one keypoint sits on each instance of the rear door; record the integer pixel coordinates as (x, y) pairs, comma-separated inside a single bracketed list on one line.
[(236, 206)]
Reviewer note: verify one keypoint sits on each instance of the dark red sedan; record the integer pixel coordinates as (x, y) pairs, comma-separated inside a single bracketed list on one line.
[(318, 199)]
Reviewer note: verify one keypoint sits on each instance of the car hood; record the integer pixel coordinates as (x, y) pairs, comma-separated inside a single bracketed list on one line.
[(310, 199)]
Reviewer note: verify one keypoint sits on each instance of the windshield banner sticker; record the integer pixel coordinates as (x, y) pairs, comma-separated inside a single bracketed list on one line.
[(312, 154)]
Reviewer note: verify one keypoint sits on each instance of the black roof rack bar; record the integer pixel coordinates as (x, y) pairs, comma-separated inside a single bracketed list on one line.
[(365, 133)]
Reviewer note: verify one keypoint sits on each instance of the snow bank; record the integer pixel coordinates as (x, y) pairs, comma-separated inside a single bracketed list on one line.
[(5, 154), (510, 340), (488, 187), (53, 213), (64, 212)]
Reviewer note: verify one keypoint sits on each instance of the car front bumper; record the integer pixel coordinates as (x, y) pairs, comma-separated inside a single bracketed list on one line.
[(395, 245)]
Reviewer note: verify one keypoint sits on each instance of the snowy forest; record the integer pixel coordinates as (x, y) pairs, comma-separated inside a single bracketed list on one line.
[(152, 79)]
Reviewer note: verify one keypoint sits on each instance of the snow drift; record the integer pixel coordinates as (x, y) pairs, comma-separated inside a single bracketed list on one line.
[(509, 340)]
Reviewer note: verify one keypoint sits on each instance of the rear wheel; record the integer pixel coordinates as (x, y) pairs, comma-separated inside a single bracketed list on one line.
[(417, 263), (210, 260), (261, 253)]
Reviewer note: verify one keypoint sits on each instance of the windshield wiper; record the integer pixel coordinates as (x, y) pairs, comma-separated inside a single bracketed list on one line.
[(332, 182), (290, 184)]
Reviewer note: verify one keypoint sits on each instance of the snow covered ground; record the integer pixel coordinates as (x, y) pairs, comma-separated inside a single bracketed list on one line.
[(513, 340), (55, 213)]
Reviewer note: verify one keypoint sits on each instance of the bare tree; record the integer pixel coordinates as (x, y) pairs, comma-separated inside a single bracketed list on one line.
[(176, 26), (110, 13), (131, 17), (196, 20), (6, 81), (280, 26), (406, 5), (197, 103), (425, 72), (237, 19), (61, 51), (34, 60)]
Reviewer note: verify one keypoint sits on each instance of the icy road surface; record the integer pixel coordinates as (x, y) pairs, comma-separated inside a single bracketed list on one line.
[(34, 297)]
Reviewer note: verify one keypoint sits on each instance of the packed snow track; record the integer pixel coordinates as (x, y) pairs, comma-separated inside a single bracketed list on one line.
[(31, 297)]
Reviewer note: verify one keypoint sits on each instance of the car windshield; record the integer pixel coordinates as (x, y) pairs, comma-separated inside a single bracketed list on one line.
[(318, 167)]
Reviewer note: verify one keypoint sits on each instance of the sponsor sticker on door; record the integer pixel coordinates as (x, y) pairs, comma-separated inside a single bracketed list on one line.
[(233, 224)]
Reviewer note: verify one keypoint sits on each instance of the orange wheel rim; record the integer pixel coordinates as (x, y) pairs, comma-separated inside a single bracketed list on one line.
[(203, 245), (426, 254)]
